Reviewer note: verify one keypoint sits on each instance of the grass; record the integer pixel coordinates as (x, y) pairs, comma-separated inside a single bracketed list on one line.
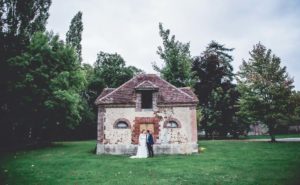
[(222, 162), (278, 136), (267, 136)]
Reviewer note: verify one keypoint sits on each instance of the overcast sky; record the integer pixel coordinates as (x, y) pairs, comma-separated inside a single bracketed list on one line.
[(130, 27)]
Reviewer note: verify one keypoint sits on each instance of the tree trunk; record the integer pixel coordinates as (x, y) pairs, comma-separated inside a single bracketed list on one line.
[(273, 140), (235, 135), (206, 133), (271, 132)]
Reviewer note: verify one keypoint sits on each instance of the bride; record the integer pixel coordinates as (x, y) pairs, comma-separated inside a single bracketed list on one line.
[(142, 151)]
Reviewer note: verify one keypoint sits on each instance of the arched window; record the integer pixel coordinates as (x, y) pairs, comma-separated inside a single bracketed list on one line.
[(122, 124), (172, 123)]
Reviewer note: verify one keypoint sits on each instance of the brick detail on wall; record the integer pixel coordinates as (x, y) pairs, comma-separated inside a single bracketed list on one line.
[(141, 120), (194, 124), (100, 128), (138, 105), (154, 100)]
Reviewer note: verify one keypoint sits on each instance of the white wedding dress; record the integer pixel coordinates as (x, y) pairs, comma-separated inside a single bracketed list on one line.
[(142, 151)]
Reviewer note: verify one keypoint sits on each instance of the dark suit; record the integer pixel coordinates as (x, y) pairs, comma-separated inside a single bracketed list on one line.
[(150, 143)]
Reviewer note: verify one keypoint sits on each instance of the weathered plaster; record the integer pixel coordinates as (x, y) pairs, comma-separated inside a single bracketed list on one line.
[(169, 140)]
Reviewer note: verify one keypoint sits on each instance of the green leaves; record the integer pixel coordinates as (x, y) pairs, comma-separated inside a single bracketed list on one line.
[(73, 36), (49, 83), (265, 88), (177, 60), (216, 93), (111, 69)]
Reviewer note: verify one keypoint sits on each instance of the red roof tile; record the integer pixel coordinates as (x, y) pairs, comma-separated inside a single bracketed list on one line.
[(146, 85), (167, 93), (105, 92)]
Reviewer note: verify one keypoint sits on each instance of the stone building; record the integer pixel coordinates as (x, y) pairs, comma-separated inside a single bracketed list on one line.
[(147, 102)]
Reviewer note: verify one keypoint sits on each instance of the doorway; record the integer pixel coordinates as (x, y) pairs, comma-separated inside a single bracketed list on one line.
[(147, 126), (147, 123)]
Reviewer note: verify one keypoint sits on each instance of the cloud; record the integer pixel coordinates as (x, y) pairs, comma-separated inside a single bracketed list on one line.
[(130, 27)]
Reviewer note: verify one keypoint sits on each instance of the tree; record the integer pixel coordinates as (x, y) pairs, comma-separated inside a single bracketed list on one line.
[(265, 89), (19, 20), (88, 125), (112, 69), (177, 59), (109, 70), (216, 93), (294, 109), (46, 89), (73, 36)]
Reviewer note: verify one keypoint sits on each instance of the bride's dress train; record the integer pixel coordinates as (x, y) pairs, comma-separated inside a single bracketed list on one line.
[(142, 151)]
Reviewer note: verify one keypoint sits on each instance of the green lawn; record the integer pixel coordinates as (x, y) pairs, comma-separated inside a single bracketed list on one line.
[(268, 137), (223, 162)]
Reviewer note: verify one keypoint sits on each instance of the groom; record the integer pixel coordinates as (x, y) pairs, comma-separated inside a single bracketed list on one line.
[(150, 142)]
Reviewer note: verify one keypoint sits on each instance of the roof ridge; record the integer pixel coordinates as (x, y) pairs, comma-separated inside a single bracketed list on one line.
[(154, 80)]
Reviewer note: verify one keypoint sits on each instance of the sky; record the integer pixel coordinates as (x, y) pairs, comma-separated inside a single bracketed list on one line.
[(130, 28)]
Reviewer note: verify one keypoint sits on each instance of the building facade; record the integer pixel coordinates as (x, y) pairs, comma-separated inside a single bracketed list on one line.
[(147, 102)]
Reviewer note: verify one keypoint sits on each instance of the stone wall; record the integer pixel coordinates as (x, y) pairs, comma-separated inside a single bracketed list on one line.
[(168, 141)]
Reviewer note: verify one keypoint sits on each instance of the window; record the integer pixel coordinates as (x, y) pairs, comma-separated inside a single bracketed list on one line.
[(121, 124), (147, 100), (172, 124)]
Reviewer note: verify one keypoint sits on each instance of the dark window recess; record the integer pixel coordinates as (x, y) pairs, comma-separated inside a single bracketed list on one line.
[(172, 124), (147, 100), (121, 124)]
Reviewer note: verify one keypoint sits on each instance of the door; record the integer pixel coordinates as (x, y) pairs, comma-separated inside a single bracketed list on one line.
[(147, 126)]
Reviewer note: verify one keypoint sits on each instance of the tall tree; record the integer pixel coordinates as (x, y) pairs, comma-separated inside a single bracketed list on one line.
[(217, 95), (265, 89), (109, 70), (112, 69), (47, 88), (294, 108), (19, 20), (73, 36), (177, 60)]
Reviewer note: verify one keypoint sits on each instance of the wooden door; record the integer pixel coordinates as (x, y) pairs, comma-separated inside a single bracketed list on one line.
[(147, 126)]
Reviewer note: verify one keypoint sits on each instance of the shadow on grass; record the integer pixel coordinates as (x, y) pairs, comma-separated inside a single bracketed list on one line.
[(32, 147)]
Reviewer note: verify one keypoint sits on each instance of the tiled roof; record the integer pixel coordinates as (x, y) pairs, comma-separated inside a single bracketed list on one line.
[(146, 85), (105, 92), (189, 91), (167, 93)]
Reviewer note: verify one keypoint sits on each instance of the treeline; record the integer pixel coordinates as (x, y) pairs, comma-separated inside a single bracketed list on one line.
[(47, 93), (260, 92)]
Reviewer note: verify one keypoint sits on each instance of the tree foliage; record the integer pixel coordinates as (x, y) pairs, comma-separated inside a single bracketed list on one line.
[(177, 60), (265, 89), (216, 92), (46, 88), (112, 69), (73, 36), (294, 108), (19, 21), (109, 70)]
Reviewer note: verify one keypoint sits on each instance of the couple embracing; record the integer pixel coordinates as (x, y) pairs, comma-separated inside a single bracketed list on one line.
[(145, 147)]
